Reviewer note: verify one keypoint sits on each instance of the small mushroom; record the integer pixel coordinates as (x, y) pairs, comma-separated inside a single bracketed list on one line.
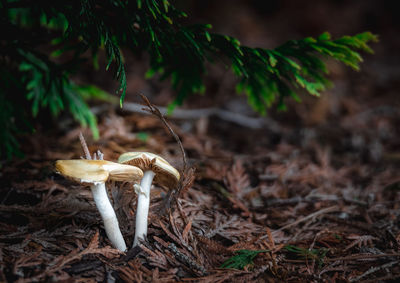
[(155, 167), (95, 173)]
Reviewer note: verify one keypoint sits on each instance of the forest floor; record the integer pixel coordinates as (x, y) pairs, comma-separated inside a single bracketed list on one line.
[(322, 202), (308, 195)]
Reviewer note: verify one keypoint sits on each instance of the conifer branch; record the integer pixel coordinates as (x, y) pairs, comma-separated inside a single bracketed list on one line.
[(266, 76)]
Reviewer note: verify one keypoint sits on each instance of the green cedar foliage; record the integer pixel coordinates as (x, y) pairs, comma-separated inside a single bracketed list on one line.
[(241, 259), (80, 27)]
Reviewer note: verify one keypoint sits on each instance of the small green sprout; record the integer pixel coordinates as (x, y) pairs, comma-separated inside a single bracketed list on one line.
[(315, 254), (241, 259)]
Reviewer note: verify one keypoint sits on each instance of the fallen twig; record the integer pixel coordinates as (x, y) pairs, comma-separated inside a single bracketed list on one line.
[(310, 216), (194, 266), (96, 156), (84, 147), (187, 178), (155, 111), (192, 114), (374, 269), (362, 256)]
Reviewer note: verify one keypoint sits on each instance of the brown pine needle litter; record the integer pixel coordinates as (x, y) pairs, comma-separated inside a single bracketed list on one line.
[(264, 215)]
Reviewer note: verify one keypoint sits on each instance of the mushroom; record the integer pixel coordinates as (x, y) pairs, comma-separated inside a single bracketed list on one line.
[(155, 167), (95, 173)]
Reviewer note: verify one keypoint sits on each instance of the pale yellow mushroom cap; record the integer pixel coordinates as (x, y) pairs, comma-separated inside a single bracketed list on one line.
[(95, 171), (166, 174)]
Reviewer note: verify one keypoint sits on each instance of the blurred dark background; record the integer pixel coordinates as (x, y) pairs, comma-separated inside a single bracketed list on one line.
[(360, 108), (358, 114), (356, 108), (268, 24)]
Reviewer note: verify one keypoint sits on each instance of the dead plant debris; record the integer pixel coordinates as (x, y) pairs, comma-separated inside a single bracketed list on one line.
[(287, 213)]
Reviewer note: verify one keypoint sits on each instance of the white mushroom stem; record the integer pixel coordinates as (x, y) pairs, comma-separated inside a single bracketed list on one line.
[(107, 213), (143, 205)]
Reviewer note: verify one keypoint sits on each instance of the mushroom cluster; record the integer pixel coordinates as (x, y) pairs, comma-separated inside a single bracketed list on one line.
[(131, 167)]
